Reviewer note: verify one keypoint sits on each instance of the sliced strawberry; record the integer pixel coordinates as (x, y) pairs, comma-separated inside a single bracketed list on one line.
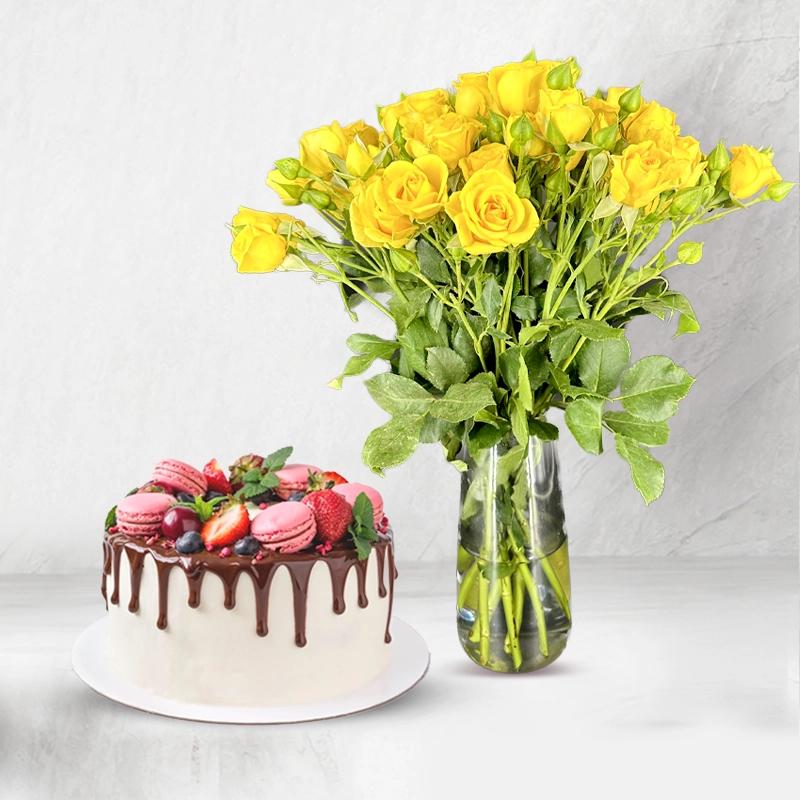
[(324, 480), (216, 478), (226, 526), (333, 477), (332, 513)]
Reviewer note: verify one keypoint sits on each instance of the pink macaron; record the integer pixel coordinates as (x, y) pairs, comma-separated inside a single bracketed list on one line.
[(352, 490), (180, 477), (285, 527), (141, 514), (293, 478)]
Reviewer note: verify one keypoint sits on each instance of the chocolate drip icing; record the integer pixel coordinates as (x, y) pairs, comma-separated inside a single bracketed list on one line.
[(339, 561)]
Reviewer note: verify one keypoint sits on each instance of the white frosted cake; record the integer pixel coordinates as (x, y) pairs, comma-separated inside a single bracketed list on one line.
[(276, 602)]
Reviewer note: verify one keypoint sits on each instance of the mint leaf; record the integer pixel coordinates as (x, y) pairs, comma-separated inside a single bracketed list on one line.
[(651, 388), (445, 367), (462, 401), (111, 518), (649, 433), (647, 473), (277, 460), (251, 490), (363, 512), (363, 547), (269, 481), (584, 419), (392, 443), (398, 395), (252, 475)]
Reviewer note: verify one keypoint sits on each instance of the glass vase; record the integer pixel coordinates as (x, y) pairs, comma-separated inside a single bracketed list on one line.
[(513, 566)]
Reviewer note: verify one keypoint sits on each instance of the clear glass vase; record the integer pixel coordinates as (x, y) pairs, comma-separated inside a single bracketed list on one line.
[(513, 565)]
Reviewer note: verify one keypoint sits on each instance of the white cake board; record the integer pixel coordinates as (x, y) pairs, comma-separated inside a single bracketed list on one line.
[(407, 667)]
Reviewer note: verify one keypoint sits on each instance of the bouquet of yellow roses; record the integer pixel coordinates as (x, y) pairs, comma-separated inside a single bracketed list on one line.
[(509, 228)]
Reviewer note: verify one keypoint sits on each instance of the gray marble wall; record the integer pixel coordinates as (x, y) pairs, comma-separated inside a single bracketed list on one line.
[(131, 132)]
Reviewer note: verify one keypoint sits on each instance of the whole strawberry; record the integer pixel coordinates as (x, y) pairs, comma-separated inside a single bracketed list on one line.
[(332, 513), (216, 478), (241, 467), (226, 526)]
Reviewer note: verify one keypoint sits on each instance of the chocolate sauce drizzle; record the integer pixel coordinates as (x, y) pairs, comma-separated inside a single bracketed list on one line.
[(340, 561)]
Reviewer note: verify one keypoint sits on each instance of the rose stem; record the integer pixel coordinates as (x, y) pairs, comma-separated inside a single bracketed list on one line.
[(510, 622), (537, 606), (466, 584), (483, 618)]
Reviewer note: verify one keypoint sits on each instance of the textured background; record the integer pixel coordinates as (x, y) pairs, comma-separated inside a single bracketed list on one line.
[(130, 132)]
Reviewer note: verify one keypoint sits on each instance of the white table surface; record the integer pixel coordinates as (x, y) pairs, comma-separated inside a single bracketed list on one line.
[(680, 680)]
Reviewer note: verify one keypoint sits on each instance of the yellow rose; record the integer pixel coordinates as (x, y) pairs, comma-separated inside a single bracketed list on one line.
[(514, 88), (640, 174), (567, 111), (257, 246), (613, 95), (605, 113), (418, 106), (375, 220), (652, 123), (418, 190), (687, 162), (751, 171), (472, 95), (315, 145), (451, 137), (359, 158), (276, 182), (490, 156), (489, 215)]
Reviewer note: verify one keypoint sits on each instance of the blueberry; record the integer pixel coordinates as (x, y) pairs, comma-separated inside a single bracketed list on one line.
[(190, 542), (211, 495), (297, 496), (265, 497), (248, 546), (184, 497)]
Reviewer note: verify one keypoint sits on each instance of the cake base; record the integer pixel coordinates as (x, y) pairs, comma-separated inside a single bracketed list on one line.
[(407, 667)]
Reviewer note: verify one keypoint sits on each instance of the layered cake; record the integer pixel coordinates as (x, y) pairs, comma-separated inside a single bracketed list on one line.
[(267, 585)]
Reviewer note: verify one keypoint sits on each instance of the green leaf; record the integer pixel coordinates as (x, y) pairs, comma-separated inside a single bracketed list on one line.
[(570, 307), (465, 347), (596, 330), (111, 518), (462, 401), (519, 421), (599, 167), (431, 263), (363, 547), (269, 481), (560, 380), (252, 475), (418, 337), (525, 393), (649, 433), (278, 459), (537, 333), (510, 462), (434, 312), (543, 430), (363, 512), (601, 364), (399, 395), (498, 334), (252, 489), (481, 437), (647, 473), (629, 215), (491, 299), (524, 307), (670, 302), (534, 360), (607, 207), (562, 344), (356, 365), (584, 418), (593, 272), (433, 429), (392, 443), (370, 345), (651, 388), (690, 252), (445, 367)]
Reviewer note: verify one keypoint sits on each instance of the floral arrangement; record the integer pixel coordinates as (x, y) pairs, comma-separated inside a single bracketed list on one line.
[(511, 229)]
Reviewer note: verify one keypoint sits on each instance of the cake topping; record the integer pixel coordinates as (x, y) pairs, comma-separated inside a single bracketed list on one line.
[(332, 514), (179, 520), (254, 478), (216, 479), (362, 529), (180, 476), (191, 542), (247, 546), (294, 478), (226, 526), (286, 527), (351, 491)]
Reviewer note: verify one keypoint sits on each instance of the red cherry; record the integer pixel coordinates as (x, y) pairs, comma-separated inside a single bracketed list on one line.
[(180, 520)]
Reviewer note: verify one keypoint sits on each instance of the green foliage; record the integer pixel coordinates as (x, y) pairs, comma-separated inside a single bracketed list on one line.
[(362, 528), (584, 418), (651, 388), (647, 473)]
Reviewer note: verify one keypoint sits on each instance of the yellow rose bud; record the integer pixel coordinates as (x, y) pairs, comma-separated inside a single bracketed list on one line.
[(750, 171), (451, 137), (565, 109), (472, 95), (256, 250), (652, 123), (418, 190), (315, 146), (490, 156), (277, 182), (418, 106), (360, 158), (376, 221), (514, 88), (366, 133), (640, 174), (613, 94), (605, 113), (489, 215), (687, 162)]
